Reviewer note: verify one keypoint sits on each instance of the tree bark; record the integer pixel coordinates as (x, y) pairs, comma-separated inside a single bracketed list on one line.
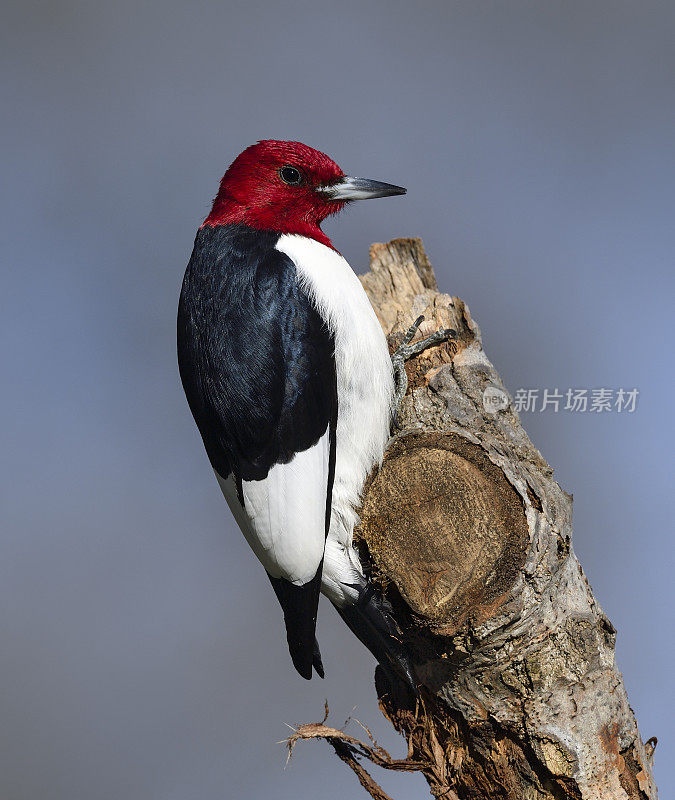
[(469, 536)]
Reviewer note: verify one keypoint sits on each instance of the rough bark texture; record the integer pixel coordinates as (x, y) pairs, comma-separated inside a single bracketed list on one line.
[(470, 536)]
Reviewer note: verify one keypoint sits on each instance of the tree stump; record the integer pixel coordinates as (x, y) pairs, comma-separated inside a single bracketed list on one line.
[(469, 536)]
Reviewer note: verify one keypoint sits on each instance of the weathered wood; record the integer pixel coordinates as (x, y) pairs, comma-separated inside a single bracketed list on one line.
[(470, 536)]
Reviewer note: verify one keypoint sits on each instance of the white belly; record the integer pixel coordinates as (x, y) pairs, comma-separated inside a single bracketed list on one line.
[(364, 381)]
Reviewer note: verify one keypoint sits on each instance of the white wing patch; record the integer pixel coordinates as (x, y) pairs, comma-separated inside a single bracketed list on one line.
[(284, 515)]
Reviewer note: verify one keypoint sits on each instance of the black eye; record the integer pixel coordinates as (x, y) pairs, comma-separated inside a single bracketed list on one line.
[(291, 176)]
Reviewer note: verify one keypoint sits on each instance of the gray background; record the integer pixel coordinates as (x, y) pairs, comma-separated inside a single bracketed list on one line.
[(142, 651)]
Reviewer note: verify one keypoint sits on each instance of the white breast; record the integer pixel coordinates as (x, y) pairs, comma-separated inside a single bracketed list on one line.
[(364, 372)]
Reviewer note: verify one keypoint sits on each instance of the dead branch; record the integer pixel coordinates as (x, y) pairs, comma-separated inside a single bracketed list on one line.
[(469, 535)]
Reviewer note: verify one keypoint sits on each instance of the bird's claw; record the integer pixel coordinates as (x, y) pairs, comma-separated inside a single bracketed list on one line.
[(406, 350)]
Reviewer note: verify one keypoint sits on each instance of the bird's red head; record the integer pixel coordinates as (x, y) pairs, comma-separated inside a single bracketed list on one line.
[(287, 187)]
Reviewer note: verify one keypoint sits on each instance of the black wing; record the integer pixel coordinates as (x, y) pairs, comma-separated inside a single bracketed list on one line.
[(258, 368)]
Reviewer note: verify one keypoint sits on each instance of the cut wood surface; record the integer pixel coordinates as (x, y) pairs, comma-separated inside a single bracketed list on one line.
[(469, 535)]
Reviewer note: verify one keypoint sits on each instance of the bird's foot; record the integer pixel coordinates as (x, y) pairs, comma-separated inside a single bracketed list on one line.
[(406, 351)]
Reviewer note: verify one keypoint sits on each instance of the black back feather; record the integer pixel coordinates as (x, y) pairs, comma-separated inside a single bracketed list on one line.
[(257, 364)]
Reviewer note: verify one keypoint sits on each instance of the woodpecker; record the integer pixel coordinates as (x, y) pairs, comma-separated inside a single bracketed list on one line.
[(289, 379)]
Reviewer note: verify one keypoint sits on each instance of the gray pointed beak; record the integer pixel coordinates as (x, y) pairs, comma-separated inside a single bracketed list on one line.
[(349, 188)]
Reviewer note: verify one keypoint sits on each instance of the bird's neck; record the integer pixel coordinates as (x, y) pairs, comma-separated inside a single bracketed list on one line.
[(227, 211)]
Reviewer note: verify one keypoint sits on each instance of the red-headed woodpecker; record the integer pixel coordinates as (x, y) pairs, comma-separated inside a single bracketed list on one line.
[(288, 376)]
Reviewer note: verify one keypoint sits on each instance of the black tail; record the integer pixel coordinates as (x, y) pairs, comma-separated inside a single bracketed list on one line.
[(300, 604), (316, 660), (371, 620)]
